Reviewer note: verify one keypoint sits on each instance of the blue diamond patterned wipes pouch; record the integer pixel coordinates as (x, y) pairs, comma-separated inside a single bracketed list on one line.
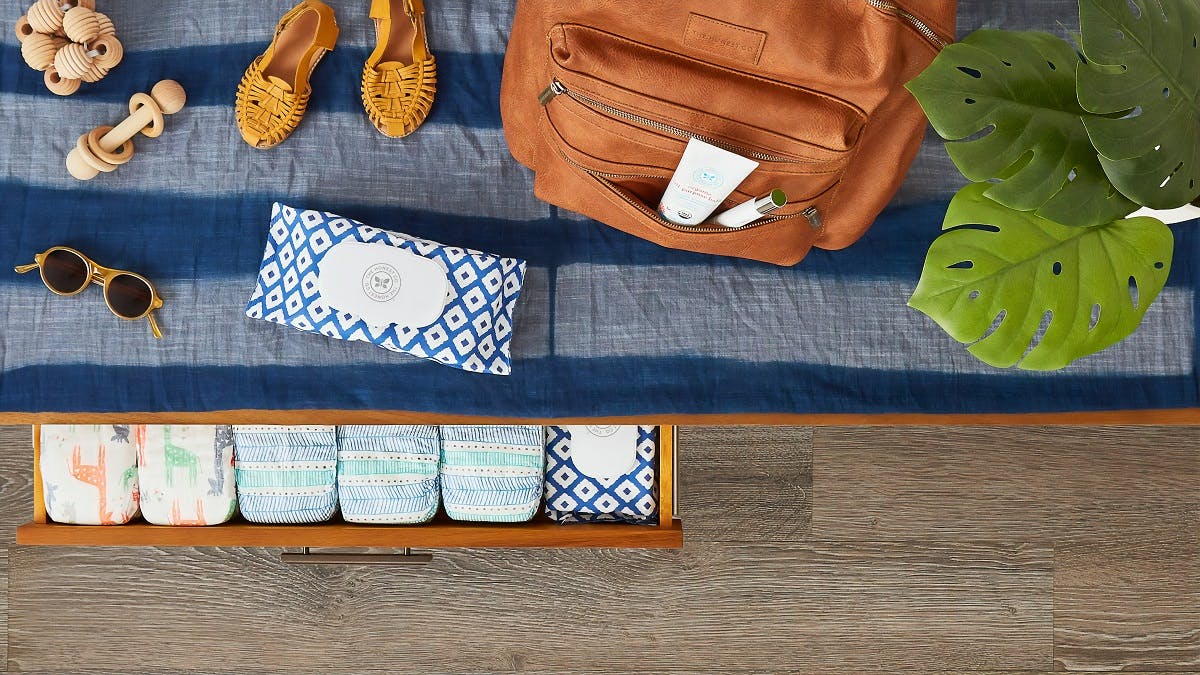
[(322, 273), (620, 487)]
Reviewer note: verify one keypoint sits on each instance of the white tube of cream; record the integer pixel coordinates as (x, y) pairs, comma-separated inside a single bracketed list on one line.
[(704, 178)]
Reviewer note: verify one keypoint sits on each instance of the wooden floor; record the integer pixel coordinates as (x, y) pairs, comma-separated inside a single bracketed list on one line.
[(827, 550)]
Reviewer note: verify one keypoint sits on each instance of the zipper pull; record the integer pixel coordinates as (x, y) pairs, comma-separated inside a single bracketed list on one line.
[(814, 217), (551, 91)]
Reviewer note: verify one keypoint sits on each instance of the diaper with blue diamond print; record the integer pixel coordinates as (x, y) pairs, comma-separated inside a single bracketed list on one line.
[(322, 273)]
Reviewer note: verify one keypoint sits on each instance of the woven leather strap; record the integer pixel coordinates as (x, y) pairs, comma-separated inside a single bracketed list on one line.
[(399, 97), (268, 107)]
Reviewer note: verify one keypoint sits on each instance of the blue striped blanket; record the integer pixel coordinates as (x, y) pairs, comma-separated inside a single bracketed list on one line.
[(607, 324)]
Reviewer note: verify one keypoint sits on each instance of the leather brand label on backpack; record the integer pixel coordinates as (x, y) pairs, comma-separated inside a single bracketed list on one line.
[(735, 42)]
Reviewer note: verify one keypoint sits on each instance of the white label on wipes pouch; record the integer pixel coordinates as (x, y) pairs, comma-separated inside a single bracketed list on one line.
[(382, 284), (604, 451)]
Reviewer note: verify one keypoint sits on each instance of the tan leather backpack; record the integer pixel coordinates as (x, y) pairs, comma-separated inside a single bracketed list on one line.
[(599, 98)]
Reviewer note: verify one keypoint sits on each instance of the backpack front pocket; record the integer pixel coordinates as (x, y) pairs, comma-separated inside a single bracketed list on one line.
[(630, 140)]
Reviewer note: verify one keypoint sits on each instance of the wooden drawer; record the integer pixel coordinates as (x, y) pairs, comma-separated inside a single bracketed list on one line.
[(440, 533)]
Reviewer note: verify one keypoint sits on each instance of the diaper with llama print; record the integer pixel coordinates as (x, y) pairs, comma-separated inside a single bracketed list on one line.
[(186, 473), (89, 473), (286, 474), (387, 473)]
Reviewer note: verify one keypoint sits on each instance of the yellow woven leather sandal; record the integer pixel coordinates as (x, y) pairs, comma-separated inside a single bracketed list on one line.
[(274, 92), (400, 76)]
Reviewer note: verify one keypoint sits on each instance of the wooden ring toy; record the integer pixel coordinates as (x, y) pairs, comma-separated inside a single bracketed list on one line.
[(63, 86), (73, 61), (39, 50), (46, 16), (93, 164), (114, 158), (105, 148), (81, 24), (95, 73), (106, 24), (154, 127), (23, 29), (106, 51)]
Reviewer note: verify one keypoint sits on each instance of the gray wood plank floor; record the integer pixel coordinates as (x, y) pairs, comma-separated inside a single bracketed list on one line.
[(826, 550)]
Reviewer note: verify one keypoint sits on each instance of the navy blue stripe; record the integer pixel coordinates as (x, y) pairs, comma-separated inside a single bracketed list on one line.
[(468, 83), (582, 387), (225, 236)]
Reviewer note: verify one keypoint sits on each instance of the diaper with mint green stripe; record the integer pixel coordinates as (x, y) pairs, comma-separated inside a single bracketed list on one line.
[(492, 473), (387, 474), (286, 474)]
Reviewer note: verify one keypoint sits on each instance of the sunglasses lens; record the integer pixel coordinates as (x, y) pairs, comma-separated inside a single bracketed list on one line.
[(129, 296), (64, 271)]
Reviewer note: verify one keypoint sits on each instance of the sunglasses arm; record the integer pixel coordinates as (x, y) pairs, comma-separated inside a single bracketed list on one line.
[(22, 269), (154, 326)]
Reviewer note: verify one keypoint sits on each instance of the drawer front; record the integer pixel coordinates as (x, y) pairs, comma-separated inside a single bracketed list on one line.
[(440, 533)]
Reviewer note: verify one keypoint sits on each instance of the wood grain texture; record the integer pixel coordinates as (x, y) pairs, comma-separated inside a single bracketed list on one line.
[(1176, 416), (1049, 484), (745, 483), (16, 494), (441, 533), (904, 565), (711, 607), (1130, 604), (16, 480)]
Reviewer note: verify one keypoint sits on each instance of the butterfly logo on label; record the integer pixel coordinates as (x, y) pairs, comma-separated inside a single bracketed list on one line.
[(381, 282)]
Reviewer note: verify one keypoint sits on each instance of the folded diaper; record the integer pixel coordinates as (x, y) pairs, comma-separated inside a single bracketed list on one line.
[(492, 473), (609, 477), (89, 474), (186, 473), (387, 474), (389, 297), (286, 474)]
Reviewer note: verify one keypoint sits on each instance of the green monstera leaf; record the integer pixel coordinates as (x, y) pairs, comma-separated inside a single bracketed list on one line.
[(1143, 72), (995, 275), (1021, 86)]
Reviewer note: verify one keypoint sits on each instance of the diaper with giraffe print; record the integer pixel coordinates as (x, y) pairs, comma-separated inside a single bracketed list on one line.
[(89, 473), (186, 473)]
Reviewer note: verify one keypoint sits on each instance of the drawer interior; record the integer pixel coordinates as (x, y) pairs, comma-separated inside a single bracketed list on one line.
[(439, 533)]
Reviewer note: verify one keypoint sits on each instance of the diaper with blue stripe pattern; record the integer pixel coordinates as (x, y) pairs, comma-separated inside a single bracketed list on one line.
[(387, 474), (472, 333), (492, 473), (286, 474), (572, 496)]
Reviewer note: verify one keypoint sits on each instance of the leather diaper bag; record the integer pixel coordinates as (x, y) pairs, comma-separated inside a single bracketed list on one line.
[(599, 98)]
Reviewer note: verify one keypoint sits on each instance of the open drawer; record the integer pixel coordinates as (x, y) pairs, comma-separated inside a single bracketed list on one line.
[(439, 533)]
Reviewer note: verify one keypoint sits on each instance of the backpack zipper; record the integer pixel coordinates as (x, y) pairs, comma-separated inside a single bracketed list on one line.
[(912, 20), (557, 88)]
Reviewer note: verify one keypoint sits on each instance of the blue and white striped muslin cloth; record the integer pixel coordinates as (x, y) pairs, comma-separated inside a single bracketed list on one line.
[(492, 473), (387, 474), (286, 474)]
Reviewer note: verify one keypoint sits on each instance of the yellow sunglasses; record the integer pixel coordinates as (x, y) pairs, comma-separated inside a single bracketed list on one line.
[(66, 272)]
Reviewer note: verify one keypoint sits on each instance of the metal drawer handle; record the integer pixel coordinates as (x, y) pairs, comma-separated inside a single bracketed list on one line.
[(404, 557)]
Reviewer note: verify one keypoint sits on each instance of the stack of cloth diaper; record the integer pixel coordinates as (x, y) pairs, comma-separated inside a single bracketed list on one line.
[(186, 473), (602, 473), (387, 474), (89, 474), (286, 474), (492, 473)]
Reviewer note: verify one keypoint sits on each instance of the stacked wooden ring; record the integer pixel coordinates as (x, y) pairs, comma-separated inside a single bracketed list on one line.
[(70, 41)]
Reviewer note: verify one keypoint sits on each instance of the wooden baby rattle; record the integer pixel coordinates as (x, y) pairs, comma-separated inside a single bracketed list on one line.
[(105, 148)]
